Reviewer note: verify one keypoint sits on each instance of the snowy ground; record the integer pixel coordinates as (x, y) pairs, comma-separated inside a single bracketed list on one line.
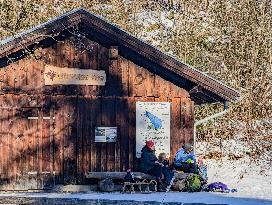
[(249, 179), (202, 197)]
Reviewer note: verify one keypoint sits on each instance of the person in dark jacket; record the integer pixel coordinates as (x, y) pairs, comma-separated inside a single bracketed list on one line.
[(149, 163)]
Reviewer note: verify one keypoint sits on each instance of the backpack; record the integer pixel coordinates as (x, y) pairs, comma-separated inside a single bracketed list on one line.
[(129, 177), (179, 185), (218, 187), (193, 183)]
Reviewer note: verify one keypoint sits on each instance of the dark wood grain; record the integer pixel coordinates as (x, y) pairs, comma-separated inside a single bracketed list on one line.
[(65, 143)]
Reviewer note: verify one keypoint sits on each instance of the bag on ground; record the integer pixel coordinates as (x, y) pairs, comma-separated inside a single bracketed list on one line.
[(193, 183), (179, 185), (218, 187)]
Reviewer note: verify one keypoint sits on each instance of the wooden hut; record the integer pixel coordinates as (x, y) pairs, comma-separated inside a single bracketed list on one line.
[(50, 115)]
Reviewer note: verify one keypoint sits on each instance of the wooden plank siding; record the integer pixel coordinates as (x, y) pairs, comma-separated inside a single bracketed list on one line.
[(50, 129)]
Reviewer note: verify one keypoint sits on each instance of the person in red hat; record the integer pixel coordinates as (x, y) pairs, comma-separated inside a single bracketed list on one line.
[(149, 163)]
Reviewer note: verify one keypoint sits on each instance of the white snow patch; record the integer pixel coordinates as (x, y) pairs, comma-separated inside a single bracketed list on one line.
[(249, 179), (103, 7)]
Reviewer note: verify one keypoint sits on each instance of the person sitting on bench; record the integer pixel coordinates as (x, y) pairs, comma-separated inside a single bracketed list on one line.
[(166, 169), (149, 163), (185, 160)]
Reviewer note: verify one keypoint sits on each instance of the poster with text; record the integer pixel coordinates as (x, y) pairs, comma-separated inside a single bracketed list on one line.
[(153, 123), (105, 134)]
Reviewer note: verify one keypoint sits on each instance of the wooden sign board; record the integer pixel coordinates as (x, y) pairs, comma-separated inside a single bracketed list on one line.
[(105, 134), (153, 123), (71, 76)]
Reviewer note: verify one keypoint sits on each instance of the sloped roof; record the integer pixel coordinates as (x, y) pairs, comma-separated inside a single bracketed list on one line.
[(202, 88)]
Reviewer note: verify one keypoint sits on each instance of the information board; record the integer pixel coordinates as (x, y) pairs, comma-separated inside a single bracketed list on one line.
[(105, 134), (153, 123)]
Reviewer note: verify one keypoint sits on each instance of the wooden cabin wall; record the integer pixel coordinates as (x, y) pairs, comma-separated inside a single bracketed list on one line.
[(50, 129)]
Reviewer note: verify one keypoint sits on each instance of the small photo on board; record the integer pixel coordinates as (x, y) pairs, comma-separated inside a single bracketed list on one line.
[(100, 132), (111, 134)]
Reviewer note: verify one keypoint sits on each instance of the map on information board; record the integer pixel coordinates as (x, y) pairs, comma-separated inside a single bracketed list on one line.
[(153, 123)]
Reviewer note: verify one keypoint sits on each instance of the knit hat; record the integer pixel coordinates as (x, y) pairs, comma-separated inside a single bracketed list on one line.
[(187, 146), (149, 143)]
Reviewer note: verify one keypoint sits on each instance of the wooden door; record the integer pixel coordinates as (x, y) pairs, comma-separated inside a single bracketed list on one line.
[(30, 148)]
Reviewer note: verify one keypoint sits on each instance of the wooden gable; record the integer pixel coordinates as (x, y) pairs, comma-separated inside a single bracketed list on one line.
[(202, 88)]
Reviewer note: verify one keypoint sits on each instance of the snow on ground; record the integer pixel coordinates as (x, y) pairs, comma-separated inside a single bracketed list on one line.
[(182, 197), (250, 180)]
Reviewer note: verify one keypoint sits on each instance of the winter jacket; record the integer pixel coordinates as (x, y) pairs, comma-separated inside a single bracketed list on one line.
[(148, 159), (182, 157)]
